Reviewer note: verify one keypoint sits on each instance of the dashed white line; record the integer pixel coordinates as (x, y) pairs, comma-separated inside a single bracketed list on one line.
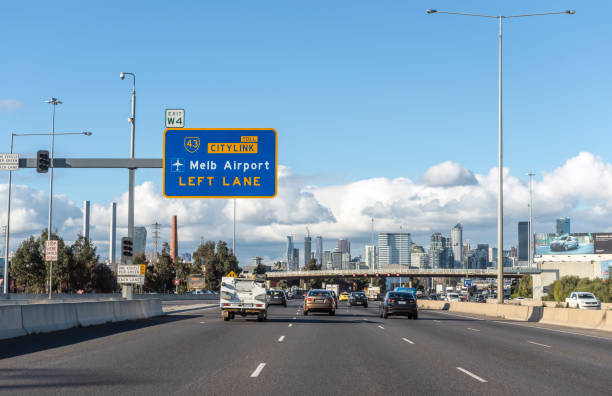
[(469, 328), (290, 324), (537, 343), (407, 340), (202, 322), (381, 327), (258, 370), (437, 321), (281, 338), (471, 374)]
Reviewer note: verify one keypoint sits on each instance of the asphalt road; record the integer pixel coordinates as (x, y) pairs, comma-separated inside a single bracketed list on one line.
[(354, 352)]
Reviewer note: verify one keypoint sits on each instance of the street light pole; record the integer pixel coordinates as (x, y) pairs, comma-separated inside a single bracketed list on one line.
[(54, 102), (500, 198), (531, 233)]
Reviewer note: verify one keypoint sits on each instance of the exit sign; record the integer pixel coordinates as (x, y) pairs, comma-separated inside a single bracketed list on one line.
[(175, 118)]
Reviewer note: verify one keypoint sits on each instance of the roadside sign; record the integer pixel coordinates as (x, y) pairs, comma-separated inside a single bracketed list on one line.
[(220, 163), (195, 282), (467, 282), (232, 274), (9, 162), (177, 282), (134, 279), (129, 270), (175, 118), (143, 269), (51, 250)]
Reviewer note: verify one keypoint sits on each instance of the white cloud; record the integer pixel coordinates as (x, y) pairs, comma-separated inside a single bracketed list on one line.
[(10, 104), (580, 188), (448, 174)]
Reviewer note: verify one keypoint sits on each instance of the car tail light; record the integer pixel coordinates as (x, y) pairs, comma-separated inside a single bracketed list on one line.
[(309, 299), (259, 305), (390, 300), (225, 304)]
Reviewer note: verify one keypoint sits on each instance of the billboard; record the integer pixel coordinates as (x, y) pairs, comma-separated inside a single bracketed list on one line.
[(605, 269), (195, 282), (564, 244), (602, 242)]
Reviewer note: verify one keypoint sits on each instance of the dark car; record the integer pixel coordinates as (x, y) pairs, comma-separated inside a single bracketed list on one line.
[(277, 297), (358, 298), (399, 303)]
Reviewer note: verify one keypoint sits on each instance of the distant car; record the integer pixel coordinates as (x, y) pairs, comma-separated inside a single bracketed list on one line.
[(277, 297), (358, 298), (399, 303), (564, 243), (519, 299), (480, 299), (319, 300), (583, 300), (452, 297), (344, 296), (333, 293), (433, 297)]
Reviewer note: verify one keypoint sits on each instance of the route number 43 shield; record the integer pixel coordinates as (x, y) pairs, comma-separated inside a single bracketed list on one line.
[(192, 144)]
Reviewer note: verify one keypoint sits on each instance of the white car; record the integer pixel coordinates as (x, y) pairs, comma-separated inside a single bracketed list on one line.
[(453, 297), (583, 300)]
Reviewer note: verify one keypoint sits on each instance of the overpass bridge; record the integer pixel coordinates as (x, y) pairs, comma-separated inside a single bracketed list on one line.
[(403, 272)]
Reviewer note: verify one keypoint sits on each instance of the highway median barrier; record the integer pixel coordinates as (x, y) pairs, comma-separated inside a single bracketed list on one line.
[(43, 318), (11, 322), (94, 313)]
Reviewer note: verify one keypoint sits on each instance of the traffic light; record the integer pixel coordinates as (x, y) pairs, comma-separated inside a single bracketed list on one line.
[(42, 161), (127, 249)]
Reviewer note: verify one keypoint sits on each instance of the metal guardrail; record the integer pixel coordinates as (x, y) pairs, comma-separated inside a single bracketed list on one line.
[(396, 271)]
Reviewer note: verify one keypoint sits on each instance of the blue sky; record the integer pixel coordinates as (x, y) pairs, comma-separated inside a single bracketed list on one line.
[(356, 89)]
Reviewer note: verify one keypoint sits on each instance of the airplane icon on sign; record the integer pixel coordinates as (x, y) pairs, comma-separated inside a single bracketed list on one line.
[(177, 165)]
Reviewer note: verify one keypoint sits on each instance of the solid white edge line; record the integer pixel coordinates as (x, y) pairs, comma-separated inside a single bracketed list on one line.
[(548, 328), (407, 340), (281, 338), (471, 374), (258, 370), (381, 327), (537, 343)]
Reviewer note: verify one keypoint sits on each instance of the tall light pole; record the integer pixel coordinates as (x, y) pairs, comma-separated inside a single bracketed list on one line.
[(234, 231), (500, 197), (54, 102), (8, 208), (531, 247)]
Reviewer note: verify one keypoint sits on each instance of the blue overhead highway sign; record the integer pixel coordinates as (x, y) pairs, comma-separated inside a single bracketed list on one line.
[(220, 163)]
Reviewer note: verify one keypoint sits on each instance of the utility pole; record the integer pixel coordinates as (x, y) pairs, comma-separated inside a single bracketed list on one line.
[(531, 233), (54, 102)]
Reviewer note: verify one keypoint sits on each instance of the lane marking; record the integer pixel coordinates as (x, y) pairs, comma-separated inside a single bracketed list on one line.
[(469, 328), (407, 340), (461, 316), (202, 322), (294, 318), (281, 338), (549, 329), (290, 324), (381, 327), (471, 374), (537, 343), (437, 321), (258, 370)]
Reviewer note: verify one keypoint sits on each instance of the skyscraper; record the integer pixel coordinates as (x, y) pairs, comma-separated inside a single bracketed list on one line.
[(296, 259), (394, 248), (140, 240), (336, 258), (327, 260), (440, 252), (370, 256), (319, 251), (523, 241), (290, 253), (307, 248), (344, 245), (563, 225), (457, 244)]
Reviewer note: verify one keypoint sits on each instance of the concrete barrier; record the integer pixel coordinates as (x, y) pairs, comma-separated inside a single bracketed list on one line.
[(93, 313), (432, 304), (11, 322), (42, 318)]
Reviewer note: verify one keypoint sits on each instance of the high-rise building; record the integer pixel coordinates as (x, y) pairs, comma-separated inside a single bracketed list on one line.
[(344, 245), (346, 260), (290, 254), (296, 259), (327, 260), (336, 257), (563, 225), (394, 248), (307, 249), (319, 251), (440, 252), (513, 251), (523, 241), (492, 255), (419, 260), (140, 240), (457, 244), (370, 257), (485, 248)]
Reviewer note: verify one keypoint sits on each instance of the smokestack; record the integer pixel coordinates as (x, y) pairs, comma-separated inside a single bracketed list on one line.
[(174, 241), (86, 219), (112, 235)]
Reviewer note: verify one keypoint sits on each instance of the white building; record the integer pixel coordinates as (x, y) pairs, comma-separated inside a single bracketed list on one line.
[(393, 248), (457, 244), (370, 257), (419, 260)]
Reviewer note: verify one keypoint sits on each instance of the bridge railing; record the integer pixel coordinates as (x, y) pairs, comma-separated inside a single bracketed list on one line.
[(396, 271)]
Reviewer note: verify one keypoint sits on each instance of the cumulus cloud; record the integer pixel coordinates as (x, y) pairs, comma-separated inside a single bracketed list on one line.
[(448, 174), (10, 104), (580, 188)]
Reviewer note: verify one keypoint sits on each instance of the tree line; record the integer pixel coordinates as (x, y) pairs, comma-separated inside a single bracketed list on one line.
[(78, 267)]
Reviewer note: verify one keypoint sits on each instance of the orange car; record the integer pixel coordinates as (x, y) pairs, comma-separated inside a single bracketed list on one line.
[(319, 300)]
